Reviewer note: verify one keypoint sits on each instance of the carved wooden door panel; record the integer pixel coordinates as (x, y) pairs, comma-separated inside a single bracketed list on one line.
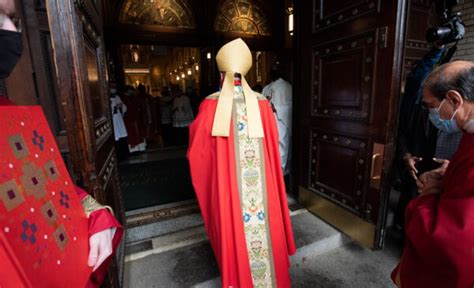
[(421, 16), (43, 73), (350, 68), (79, 57)]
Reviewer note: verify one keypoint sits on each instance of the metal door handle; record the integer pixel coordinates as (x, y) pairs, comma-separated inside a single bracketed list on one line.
[(375, 156)]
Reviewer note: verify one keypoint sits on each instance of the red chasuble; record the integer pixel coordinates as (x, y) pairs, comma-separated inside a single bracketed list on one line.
[(44, 233), (225, 184), (439, 248)]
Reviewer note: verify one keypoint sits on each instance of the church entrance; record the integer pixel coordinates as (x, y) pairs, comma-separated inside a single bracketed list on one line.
[(161, 90), (162, 96), (345, 60)]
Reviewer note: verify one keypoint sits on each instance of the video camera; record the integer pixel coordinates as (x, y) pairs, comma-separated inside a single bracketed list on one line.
[(452, 30)]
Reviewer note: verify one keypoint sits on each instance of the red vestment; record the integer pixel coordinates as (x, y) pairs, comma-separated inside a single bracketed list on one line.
[(213, 170), (439, 248), (134, 120), (98, 221), (30, 208)]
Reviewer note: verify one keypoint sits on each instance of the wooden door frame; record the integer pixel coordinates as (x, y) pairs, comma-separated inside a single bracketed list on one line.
[(67, 43)]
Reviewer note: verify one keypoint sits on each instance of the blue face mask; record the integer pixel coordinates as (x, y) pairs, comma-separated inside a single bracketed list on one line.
[(445, 125)]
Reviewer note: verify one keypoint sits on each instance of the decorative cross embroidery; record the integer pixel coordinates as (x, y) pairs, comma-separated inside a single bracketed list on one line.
[(38, 140), (29, 231), (64, 201)]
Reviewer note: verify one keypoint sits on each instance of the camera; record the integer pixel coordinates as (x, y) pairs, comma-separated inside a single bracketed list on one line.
[(452, 30)]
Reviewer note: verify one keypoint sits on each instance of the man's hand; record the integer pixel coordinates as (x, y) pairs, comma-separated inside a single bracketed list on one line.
[(410, 162), (100, 248), (431, 182)]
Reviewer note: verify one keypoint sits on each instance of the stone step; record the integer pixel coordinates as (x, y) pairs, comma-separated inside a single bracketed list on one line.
[(183, 238), (191, 218), (182, 216), (170, 235), (185, 258), (348, 266)]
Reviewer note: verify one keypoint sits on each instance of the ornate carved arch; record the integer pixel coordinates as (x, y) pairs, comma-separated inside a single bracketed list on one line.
[(242, 16), (175, 13)]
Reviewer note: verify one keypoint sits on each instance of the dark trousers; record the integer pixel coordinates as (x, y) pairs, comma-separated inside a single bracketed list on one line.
[(121, 149)]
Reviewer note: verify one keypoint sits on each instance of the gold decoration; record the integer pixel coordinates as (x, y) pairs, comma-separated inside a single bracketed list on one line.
[(175, 13), (91, 205), (241, 16)]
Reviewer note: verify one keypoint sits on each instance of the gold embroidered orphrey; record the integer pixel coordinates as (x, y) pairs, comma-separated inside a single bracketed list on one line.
[(251, 179)]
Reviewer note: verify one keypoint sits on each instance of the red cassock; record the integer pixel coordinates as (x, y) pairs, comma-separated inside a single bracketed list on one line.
[(214, 174), (439, 248), (134, 120), (44, 232)]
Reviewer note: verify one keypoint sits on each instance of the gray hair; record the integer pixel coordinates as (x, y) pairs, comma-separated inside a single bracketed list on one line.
[(440, 81)]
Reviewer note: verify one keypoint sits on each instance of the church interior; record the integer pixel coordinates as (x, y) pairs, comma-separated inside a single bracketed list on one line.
[(347, 61), (183, 63)]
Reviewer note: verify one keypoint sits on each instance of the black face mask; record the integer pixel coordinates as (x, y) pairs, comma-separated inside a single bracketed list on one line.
[(10, 51)]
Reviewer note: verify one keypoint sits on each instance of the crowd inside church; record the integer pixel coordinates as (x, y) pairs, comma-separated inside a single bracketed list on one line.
[(239, 145)]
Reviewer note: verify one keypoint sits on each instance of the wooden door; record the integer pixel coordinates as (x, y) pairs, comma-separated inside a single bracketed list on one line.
[(78, 53), (62, 68), (350, 58)]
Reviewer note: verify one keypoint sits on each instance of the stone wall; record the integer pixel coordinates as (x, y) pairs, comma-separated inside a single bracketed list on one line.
[(466, 46)]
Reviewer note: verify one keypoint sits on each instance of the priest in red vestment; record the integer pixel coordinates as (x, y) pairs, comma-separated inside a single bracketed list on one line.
[(103, 231), (134, 120), (439, 248), (236, 173)]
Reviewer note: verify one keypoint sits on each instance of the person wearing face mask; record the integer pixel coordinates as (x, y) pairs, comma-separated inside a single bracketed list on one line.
[(439, 224), (104, 231), (422, 144)]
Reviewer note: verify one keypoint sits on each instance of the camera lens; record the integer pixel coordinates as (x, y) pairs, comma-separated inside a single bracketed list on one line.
[(437, 34)]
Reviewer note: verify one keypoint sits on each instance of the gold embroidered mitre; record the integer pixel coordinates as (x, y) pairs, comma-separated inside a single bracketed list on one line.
[(235, 57)]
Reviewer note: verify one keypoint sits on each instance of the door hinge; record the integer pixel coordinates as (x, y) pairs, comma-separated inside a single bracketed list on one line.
[(383, 37)]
